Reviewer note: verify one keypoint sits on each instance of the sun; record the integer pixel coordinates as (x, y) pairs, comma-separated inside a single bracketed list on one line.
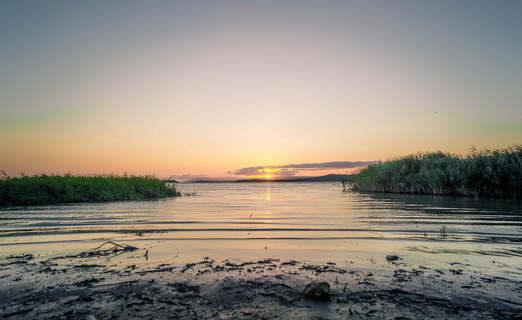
[(268, 176)]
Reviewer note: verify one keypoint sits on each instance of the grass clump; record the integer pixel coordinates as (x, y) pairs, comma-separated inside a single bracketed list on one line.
[(53, 189), (485, 173)]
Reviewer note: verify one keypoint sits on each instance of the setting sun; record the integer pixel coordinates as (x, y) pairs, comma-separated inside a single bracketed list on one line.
[(268, 176)]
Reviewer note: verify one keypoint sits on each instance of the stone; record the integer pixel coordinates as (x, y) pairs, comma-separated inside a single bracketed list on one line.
[(391, 258), (319, 291)]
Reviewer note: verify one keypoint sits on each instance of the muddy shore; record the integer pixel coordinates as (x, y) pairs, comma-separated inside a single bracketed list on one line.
[(68, 288)]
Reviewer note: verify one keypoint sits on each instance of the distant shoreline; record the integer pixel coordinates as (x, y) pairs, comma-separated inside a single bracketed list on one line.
[(326, 178)]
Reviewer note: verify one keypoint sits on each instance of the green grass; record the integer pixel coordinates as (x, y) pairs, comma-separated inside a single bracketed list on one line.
[(54, 189), (485, 173)]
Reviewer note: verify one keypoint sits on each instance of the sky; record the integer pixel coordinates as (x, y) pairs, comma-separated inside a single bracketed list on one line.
[(222, 89)]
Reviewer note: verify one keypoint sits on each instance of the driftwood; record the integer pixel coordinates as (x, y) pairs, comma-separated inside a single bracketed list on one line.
[(99, 252)]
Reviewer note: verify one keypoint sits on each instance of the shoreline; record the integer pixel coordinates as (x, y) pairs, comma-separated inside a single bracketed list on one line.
[(262, 289)]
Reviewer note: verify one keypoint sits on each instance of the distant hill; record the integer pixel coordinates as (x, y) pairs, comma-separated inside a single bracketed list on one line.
[(327, 178), (207, 180)]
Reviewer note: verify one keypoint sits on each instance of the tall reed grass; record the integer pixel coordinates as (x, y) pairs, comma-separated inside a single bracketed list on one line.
[(482, 173), (53, 189)]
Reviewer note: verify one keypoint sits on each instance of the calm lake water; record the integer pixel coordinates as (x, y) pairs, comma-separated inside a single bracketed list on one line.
[(314, 222)]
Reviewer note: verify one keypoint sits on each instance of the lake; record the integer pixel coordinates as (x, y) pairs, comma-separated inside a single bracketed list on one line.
[(313, 222)]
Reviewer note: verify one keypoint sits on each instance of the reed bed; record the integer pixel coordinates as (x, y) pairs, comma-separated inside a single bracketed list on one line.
[(482, 173), (53, 189)]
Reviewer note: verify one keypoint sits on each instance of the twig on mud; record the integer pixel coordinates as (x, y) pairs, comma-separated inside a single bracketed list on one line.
[(187, 266), (190, 265), (513, 302), (321, 269), (117, 249), (169, 269), (19, 312), (116, 283), (355, 294)]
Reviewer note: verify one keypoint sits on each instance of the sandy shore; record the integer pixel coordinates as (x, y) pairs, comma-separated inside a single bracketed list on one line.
[(265, 289)]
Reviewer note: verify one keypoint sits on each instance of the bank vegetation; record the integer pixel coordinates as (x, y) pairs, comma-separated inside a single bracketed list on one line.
[(482, 173), (53, 189)]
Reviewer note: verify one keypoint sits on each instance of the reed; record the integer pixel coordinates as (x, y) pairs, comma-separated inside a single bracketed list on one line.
[(443, 231), (53, 189), (484, 173)]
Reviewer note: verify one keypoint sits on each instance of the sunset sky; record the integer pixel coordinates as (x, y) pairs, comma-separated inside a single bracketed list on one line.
[(227, 88)]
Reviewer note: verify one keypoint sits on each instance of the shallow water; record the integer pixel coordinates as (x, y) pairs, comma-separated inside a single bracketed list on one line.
[(314, 222)]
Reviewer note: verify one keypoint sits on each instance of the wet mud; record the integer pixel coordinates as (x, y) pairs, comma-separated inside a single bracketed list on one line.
[(262, 289)]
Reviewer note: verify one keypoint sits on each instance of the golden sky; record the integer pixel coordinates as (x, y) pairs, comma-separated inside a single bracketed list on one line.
[(210, 87)]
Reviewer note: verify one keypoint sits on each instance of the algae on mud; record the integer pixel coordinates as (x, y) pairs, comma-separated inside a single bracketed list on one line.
[(55, 189)]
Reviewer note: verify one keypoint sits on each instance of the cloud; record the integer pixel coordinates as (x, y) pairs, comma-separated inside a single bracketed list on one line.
[(292, 170), (329, 165)]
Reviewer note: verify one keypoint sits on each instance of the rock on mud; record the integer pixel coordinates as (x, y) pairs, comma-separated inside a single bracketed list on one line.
[(391, 258), (319, 291)]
